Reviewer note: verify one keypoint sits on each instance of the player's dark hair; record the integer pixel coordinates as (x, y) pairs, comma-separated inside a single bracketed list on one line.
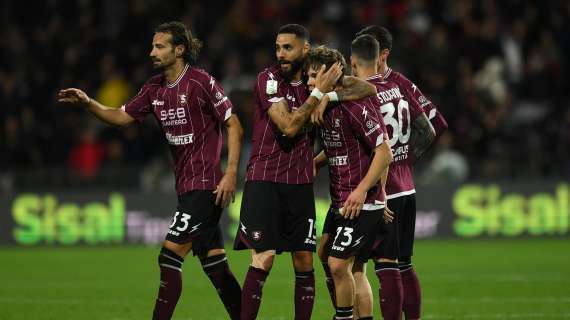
[(181, 35), (381, 34), (365, 47), (296, 29), (323, 55)]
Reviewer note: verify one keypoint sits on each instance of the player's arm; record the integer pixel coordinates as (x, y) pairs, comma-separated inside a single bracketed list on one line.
[(226, 189), (318, 162), (106, 114), (422, 136), (354, 89), (290, 122), (380, 162)]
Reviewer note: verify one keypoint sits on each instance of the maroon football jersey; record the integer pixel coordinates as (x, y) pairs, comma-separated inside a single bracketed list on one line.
[(275, 157), (399, 109), (350, 132), (191, 112), (435, 117)]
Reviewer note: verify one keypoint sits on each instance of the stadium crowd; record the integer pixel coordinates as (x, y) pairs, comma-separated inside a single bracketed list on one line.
[(496, 70)]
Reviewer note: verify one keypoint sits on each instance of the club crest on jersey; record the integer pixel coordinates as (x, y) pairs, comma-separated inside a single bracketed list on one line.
[(256, 235), (336, 123), (182, 98)]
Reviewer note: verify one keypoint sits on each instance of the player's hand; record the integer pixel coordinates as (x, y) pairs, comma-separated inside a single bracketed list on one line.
[(388, 215), (226, 190), (315, 168), (325, 81), (73, 96), (318, 113), (353, 204)]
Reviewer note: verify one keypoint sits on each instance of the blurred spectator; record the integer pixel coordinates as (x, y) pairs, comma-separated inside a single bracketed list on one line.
[(496, 69)]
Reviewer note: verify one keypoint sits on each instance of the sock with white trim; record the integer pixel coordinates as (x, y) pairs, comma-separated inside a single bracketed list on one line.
[(170, 284), (344, 313), (412, 291), (391, 290), (217, 269)]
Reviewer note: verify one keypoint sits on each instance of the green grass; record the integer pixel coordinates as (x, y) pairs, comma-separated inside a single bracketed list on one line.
[(484, 279)]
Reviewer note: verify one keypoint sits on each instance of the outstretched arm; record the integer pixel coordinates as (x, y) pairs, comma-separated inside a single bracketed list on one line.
[(225, 191), (106, 114), (422, 136)]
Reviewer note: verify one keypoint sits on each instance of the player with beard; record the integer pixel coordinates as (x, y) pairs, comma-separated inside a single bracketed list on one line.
[(278, 210), (191, 109), (400, 186)]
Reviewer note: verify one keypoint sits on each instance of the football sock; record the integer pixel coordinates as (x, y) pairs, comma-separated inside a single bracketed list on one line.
[(170, 284), (412, 291), (218, 270), (251, 292), (343, 313), (304, 294), (391, 290), (330, 283)]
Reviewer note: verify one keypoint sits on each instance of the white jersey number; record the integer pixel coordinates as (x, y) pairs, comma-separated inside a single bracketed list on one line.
[(400, 127)]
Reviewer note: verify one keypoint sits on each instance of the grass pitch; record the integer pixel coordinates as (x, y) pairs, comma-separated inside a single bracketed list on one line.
[(476, 279)]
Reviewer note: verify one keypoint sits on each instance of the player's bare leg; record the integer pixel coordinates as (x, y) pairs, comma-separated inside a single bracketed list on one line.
[(322, 252), (391, 291), (215, 265), (261, 263), (170, 260), (341, 270), (363, 299), (304, 284)]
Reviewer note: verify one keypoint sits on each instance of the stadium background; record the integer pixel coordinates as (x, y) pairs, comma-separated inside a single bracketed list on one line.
[(75, 192)]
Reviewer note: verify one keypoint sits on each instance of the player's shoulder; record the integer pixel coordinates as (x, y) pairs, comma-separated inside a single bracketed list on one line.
[(398, 78), (270, 73), (200, 75)]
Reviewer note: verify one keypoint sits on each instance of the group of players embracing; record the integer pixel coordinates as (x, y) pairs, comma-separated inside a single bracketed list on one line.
[(372, 126)]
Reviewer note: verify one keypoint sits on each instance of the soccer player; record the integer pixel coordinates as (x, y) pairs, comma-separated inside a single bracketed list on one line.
[(400, 187), (358, 155), (191, 109), (277, 210)]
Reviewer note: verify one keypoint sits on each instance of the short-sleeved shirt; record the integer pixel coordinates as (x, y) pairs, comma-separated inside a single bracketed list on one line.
[(191, 112), (432, 112), (275, 157), (399, 109), (350, 133)]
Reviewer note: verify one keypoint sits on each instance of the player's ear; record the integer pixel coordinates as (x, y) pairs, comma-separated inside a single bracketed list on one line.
[(179, 51), (384, 55), (353, 65), (306, 47)]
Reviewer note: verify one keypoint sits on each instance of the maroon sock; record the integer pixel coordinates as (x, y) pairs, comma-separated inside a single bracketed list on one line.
[(412, 292), (251, 292), (218, 270), (304, 294), (330, 283), (170, 284), (391, 290)]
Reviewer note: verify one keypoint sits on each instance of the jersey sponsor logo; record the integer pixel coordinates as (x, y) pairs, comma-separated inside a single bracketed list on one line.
[(338, 161), (155, 103), (388, 95), (217, 104), (331, 138), (173, 117), (423, 101), (180, 140), (401, 153), (290, 98)]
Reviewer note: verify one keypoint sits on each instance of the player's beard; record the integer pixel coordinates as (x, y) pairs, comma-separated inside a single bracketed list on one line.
[(296, 65)]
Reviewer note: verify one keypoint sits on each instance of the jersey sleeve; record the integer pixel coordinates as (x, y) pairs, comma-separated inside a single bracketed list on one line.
[(366, 124), (217, 98), (140, 105), (432, 112), (267, 90)]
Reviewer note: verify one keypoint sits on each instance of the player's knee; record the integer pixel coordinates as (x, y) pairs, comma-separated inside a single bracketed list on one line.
[(322, 250), (263, 259), (303, 261), (340, 268), (212, 263), (405, 263), (169, 259)]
